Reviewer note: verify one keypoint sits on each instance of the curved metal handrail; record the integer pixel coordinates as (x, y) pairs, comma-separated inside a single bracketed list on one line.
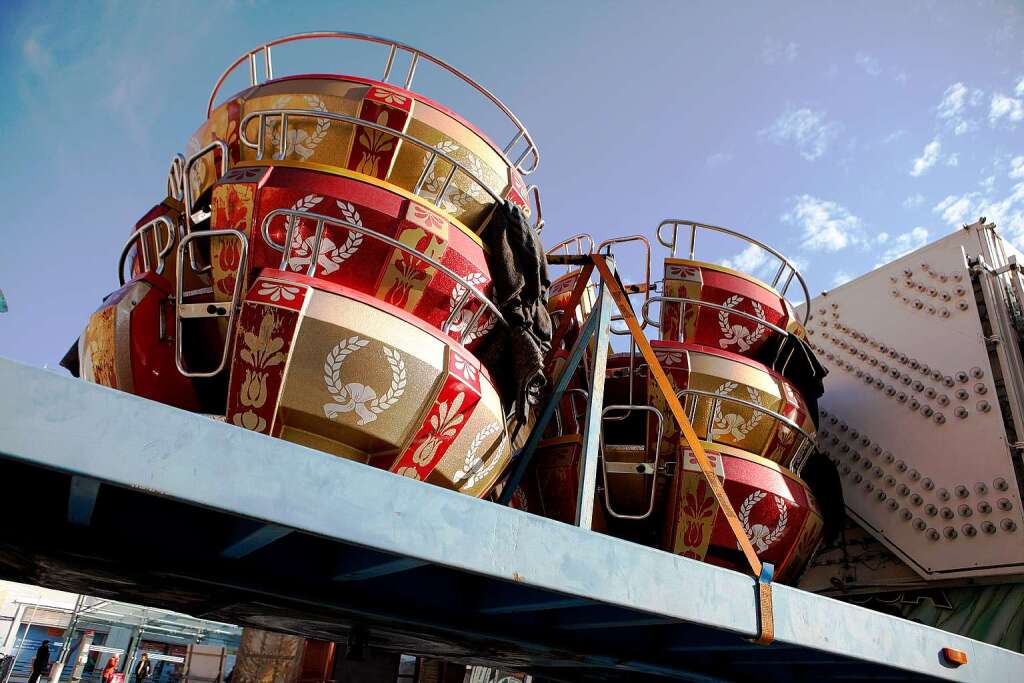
[(176, 178), (808, 438), (698, 302), (576, 241), (530, 150), (434, 152), (163, 250), (785, 263), (323, 220)]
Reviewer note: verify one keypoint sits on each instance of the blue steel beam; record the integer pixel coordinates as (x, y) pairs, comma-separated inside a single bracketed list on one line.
[(63, 424), (252, 540), (82, 500), (586, 490)]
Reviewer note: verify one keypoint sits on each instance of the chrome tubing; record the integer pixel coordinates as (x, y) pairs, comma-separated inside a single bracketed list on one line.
[(530, 152), (199, 216), (322, 221), (639, 467), (284, 114), (163, 250), (694, 226), (207, 310)]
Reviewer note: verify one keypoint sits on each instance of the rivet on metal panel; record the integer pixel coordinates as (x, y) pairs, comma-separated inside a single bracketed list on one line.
[(893, 505), (865, 441), (1008, 525), (939, 418), (930, 510), (984, 507), (965, 510), (937, 375), (1004, 504), (857, 477), (943, 400), (890, 481), (1001, 484), (931, 310), (877, 450), (918, 386), (869, 487), (945, 296), (914, 475), (988, 527), (914, 404), (925, 370), (846, 469), (980, 388), (963, 395), (943, 494), (877, 472), (880, 496), (916, 500), (888, 457), (919, 524), (969, 530), (984, 406), (962, 491), (962, 305), (933, 535), (901, 466), (927, 484), (946, 513), (950, 533)]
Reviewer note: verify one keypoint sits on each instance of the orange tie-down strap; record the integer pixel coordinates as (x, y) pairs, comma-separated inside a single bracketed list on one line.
[(612, 286)]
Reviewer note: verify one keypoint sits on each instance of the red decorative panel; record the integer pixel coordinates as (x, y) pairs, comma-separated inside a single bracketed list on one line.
[(445, 420), (374, 150)]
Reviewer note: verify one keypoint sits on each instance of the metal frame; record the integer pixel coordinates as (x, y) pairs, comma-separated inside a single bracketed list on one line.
[(184, 311), (137, 237), (533, 592), (645, 468), (529, 152), (192, 217), (323, 220), (785, 263)]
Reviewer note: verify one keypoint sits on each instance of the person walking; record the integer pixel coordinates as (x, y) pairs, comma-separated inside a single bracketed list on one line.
[(143, 669), (41, 661), (109, 670)]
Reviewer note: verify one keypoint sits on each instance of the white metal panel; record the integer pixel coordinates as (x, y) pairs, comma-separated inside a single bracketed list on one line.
[(911, 417)]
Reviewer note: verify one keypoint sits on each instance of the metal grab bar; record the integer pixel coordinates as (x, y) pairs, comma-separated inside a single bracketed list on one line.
[(808, 439), (529, 152), (199, 216), (538, 224), (573, 246), (176, 178), (322, 221), (163, 251), (638, 468), (699, 302), (784, 262), (183, 310), (647, 274), (432, 151)]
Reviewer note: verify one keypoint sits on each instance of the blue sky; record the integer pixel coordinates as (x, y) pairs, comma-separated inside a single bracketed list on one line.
[(843, 134)]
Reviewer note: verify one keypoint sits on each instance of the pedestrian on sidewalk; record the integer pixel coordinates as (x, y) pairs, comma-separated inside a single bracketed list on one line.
[(109, 670), (143, 669), (41, 661)]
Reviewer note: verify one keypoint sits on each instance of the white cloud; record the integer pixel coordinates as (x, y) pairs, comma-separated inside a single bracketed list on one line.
[(827, 226), (1017, 164), (841, 278), (868, 63), (718, 159), (954, 106), (893, 136), (751, 260), (1020, 87), (903, 244), (1004, 106), (901, 76), (775, 51), (953, 159), (805, 128), (928, 157), (1006, 212), (913, 201)]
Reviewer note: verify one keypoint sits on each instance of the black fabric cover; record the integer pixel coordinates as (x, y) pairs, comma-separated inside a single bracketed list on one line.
[(822, 477), (514, 354), (803, 369), (70, 360)]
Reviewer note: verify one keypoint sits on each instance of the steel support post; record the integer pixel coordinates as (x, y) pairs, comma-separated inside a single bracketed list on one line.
[(592, 425)]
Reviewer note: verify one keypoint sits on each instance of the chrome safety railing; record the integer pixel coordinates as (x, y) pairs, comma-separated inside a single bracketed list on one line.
[(645, 468), (577, 245), (137, 239), (785, 265), (176, 178), (284, 116), (807, 440), (214, 309), (192, 216), (521, 139), (293, 219)]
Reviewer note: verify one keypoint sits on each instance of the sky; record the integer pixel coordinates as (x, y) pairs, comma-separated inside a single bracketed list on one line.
[(842, 134)]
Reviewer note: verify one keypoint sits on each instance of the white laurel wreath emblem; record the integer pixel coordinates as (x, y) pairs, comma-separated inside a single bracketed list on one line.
[(354, 396), (331, 256), (474, 469), (734, 424), (197, 174), (760, 535), (483, 324), (300, 142), (738, 333)]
